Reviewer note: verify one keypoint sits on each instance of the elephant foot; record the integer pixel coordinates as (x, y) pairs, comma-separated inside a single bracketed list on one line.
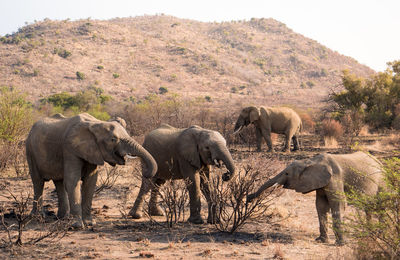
[(196, 220), (321, 239), (156, 211), (340, 242), (78, 224), (62, 214), (212, 220), (89, 222), (134, 214)]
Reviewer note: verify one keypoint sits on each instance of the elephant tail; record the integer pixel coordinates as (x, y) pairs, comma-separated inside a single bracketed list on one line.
[(300, 129)]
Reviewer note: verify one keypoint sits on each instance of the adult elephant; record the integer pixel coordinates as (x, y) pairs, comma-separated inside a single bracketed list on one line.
[(67, 150), (267, 120), (330, 175), (184, 154)]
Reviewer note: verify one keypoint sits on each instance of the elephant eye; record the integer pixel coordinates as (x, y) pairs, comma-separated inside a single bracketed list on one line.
[(114, 139)]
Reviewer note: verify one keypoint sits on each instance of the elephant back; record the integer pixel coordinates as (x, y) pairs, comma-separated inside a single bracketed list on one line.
[(362, 172), (160, 143)]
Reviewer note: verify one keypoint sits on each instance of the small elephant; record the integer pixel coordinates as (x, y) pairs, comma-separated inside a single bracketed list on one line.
[(330, 175), (67, 150), (181, 154), (267, 120)]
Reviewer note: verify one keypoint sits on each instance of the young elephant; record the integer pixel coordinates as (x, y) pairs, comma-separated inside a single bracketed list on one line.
[(181, 154), (267, 120), (67, 150), (330, 175)]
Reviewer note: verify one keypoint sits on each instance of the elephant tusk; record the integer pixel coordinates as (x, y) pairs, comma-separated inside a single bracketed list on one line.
[(131, 157), (217, 163), (237, 131)]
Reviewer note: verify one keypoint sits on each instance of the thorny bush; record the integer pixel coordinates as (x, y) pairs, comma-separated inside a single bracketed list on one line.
[(229, 198), (378, 236)]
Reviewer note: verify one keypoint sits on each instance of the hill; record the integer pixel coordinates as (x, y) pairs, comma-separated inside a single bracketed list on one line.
[(260, 61)]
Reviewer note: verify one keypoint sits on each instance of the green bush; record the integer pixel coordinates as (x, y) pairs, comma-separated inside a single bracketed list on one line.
[(15, 115), (115, 75), (374, 98), (378, 237), (80, 75), (91, 100), (63, 53), (162, 90)]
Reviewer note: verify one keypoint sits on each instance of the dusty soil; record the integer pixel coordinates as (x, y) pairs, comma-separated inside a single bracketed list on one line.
[(290, 235)]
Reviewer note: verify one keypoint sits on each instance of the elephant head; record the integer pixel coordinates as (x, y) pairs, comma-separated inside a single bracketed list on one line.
[(247, 116), (302, 176), (200, 146), (97, 142)]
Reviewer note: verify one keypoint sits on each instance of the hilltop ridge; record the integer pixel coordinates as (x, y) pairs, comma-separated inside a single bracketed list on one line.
[(260, 61)]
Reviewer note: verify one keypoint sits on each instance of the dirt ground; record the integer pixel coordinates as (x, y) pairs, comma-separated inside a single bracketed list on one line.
[(290, 235)]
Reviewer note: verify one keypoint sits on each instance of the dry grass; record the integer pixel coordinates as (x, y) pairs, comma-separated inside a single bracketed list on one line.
[(231, 62)]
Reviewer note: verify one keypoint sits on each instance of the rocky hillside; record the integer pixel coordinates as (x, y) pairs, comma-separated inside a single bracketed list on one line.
[(260, 61)]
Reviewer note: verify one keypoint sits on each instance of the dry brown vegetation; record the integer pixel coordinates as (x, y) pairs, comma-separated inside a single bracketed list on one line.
[(215, 68), (260, 61), (287, 230)]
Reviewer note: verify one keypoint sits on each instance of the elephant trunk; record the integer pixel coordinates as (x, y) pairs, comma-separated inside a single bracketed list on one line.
[(226, 158), (275, 180), (132, 148), (239, 125)]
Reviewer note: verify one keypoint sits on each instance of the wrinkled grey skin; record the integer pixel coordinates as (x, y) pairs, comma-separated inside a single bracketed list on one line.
[(330, 175), (67, 150), (267, 120), (181, 154)]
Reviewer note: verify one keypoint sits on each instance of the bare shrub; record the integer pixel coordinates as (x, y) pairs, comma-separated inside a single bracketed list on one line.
[(16, 231), (331, 130), (108, 175), (307, 122), (174, 198), (229, 198)]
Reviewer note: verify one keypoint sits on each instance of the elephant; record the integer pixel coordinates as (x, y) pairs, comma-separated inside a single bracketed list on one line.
[(330, 175), (67, 150), (184, 154), (267, 120)]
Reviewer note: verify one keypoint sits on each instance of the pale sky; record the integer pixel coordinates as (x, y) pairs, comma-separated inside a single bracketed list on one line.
[(367, 30)]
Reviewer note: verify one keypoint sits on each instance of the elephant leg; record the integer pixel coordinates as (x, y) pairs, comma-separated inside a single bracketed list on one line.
[(88, 188), (63, 204), (154, 208), (295, 141), (136, 211), (193, 186), (258, 139), (205, 188), (194, 199), (286, 148), (322, 206), (336, 206), (266, 133), (38, 185), (72, 175)]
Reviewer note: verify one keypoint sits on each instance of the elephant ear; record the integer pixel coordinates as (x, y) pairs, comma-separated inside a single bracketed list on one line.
[(313, 177), (83, 138), (188, 148), (254, 114)]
